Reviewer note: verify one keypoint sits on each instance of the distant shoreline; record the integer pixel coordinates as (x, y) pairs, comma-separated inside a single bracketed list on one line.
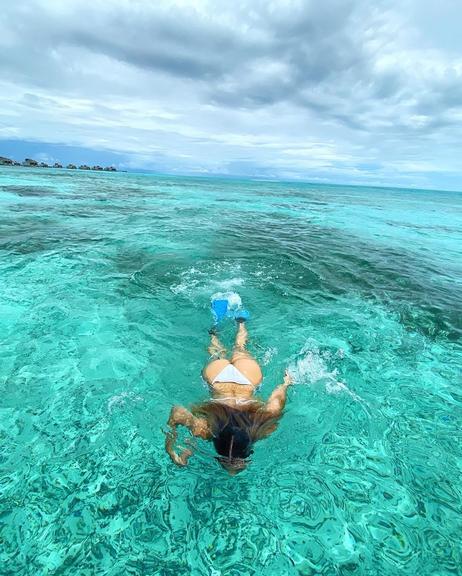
[(30, 163)]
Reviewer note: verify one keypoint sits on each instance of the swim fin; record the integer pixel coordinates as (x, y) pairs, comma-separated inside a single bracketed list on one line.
[(219, 309), (241, 315)]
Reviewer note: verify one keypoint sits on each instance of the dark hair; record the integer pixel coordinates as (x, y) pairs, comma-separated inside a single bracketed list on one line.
[(234, 431), (232, 442)]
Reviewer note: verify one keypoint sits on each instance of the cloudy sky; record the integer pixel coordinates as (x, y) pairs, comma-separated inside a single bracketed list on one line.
[(354, 91)]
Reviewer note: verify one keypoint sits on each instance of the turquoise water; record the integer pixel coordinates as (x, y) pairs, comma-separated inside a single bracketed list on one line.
[(105, 282)]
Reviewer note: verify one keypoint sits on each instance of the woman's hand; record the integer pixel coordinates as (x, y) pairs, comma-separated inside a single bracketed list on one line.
[(179, 416), (276, 402), (288, 380), (170, 439), (199, 428)]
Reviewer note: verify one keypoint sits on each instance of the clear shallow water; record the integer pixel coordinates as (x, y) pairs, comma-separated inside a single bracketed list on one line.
[(105, 282)]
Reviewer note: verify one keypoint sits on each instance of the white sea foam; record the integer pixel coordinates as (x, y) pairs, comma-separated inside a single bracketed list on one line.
[(268, 355), (190, 279), (220, 276), (233, 298), (310, 368), (179, 288), (119, 400), (229, 283)]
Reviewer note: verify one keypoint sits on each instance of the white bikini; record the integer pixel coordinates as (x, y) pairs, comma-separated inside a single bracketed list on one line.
[(231, 374)]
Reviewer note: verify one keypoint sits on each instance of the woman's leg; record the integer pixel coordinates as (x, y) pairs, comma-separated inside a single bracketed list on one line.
[(217, 358), (216, 348), (242, 336), (242, 359)]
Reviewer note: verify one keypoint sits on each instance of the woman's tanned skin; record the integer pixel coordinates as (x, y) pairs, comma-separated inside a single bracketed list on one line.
[(236, 396)]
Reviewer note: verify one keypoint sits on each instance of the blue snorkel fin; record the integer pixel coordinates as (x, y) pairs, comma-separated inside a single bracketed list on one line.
[(219, 310), (241, 315), (227, 305)]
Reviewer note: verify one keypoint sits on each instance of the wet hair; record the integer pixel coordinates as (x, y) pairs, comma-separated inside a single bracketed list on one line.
[(232, 442), (235, 431)]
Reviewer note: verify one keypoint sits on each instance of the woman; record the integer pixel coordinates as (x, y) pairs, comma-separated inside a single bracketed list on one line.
[(234, 419)]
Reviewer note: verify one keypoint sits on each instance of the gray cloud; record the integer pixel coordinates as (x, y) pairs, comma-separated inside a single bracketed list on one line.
[(222, 85)]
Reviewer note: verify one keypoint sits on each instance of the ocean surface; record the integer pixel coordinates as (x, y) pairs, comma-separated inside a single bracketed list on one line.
[(105, 287)]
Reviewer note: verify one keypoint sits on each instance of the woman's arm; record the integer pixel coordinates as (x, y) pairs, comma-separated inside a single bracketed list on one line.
[(198, 427), (276, 402)]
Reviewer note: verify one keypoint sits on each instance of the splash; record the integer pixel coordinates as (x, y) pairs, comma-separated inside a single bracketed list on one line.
[(269, 355), (190, 280), (233, 298), (310, 368), (120, 400), (205, 278), (230, 283)]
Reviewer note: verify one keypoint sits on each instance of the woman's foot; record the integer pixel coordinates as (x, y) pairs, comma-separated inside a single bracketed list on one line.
[(241, 315)]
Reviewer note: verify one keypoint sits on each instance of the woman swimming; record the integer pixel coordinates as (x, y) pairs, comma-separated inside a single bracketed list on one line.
[(233, 419)]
